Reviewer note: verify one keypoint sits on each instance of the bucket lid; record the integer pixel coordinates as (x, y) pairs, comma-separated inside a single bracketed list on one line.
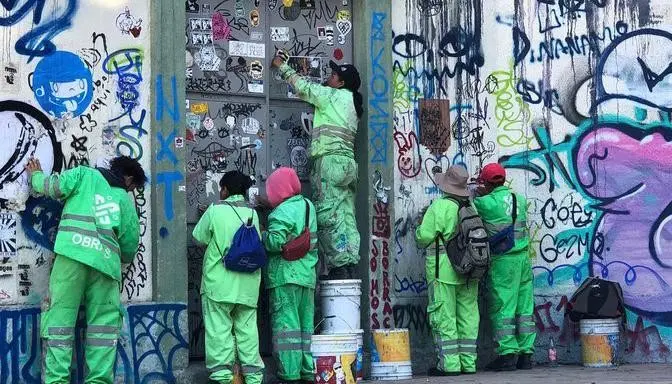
[(357, 332), (341, 282), (393, 330)]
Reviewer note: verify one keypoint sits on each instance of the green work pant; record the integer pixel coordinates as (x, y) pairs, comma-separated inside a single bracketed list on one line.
[(453, 316), (511, 303), (71, 284), (334, 181), (225, 322), (293, 310)]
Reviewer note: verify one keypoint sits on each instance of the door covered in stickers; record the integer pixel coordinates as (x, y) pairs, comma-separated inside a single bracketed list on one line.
[(240, 115)]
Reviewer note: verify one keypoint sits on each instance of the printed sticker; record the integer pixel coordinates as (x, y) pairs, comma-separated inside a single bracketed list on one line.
[(256, 70), (179, 142), (250, 125), (343, 14), (199, 108), (321, 33), (256, 36), (254, 18), (220, 27), (329, 29), (10, 78), (255, 86), (245, 49), (279, 33), (208, 123), (344, 27)]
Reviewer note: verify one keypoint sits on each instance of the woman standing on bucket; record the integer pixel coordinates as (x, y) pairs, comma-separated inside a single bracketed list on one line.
[(333, 176), (290, 242)]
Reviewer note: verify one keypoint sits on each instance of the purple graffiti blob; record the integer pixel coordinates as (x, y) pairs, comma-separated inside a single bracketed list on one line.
[(627, 170)]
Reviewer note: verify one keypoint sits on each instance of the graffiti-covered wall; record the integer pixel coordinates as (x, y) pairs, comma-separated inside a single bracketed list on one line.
[(76, 89), (73, 91), (573, 97)]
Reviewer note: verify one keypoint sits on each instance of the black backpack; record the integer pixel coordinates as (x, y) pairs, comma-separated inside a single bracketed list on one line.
[(596, 299)]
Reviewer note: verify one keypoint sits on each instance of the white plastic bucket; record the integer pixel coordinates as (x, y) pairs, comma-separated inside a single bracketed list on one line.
[(359, 333), (340, 305), (334, 358), (600, 342), (391, 371)]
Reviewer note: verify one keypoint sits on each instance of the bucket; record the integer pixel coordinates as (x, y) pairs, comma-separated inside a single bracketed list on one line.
[(600, 342), (391, 371), (391, 346), (359, 333), (335, 358), (340, 305)]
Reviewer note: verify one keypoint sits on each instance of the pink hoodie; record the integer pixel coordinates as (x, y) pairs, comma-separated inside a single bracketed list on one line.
[(281, 185)]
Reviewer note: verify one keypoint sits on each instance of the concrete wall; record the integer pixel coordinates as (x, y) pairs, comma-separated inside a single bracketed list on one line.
[(573, 97), (82, 81)]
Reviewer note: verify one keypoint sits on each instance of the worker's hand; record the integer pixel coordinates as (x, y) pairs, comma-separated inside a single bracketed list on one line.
[(33, 166), (277, 61)]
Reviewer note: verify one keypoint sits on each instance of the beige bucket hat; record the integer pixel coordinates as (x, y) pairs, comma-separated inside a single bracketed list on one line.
[(453, 181)]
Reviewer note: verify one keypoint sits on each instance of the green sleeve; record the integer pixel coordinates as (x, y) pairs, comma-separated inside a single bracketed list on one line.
[(202, 233), (57, 186), (441, 217), (308, 91), (426, 231), (129, 235), (279, 230)]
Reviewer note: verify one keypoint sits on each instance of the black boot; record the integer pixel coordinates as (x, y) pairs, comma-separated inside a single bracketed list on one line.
[(524, 361), (503, 363), (438, 373)]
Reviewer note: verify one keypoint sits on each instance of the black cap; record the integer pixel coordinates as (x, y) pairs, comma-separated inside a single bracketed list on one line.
[(348, 74)]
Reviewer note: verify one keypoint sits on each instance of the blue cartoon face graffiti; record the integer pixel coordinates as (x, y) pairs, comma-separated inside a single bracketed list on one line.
[(63, 84)]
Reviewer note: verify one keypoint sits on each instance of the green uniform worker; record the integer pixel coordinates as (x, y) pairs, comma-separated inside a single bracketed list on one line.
[(453, 301), (511, 301), (338, 106), (291, 283), (98, 231), (229, 298)]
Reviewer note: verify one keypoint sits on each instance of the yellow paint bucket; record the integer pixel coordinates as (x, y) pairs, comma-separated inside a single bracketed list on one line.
[(600, 342), (391, 346)]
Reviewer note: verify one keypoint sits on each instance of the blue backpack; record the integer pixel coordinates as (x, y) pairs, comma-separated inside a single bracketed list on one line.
[(247, 253)]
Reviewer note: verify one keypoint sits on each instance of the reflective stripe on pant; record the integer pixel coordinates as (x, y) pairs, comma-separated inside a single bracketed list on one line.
[(231, 328), (453, 316), (69, 283), (334, 179), (292, 314), (511, 304)]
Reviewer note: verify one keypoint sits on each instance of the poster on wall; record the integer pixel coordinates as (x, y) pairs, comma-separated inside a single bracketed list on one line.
[(434, 116), (7, 235), (306, 66)]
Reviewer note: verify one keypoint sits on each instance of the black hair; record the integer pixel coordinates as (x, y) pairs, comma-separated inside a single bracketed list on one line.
[(126, 166), (237, 183), (358, 100)]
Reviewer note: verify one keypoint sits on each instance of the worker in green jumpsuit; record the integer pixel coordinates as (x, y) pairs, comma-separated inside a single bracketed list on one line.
[(511, 301), (229, 298), (98, 231), (453, 301), (291, 283), (338, 106)]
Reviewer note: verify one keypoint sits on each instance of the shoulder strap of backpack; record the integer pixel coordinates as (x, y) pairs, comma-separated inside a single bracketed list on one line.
[(439, 236), (307, 214), (249, 221), (514, 213)]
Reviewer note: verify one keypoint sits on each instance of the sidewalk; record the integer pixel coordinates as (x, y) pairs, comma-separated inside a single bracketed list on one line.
[(569, 374), (565, 374)]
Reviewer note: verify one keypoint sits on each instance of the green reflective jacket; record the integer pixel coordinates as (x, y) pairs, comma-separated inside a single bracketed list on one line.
[(99, 224), (287, 222), (495, 210), (335, 121), (216, 229), (441, 217)]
